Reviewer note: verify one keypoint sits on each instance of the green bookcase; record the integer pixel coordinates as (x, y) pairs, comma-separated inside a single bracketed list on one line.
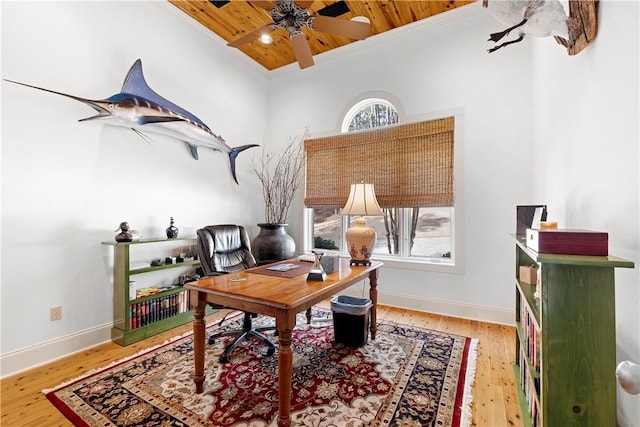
[(138, 318), (566, 339)]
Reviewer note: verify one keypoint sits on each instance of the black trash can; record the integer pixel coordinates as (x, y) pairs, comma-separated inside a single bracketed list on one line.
[(351, 320)]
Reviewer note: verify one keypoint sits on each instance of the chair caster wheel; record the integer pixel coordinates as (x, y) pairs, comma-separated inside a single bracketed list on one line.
[(271, 351), (223, 359)]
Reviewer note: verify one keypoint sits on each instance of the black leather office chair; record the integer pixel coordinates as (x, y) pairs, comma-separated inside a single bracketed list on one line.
[(226, 249)]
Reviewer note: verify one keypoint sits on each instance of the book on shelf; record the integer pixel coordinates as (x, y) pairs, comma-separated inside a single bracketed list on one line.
[(155, 309), (529, 361), (531, 336), (531, 389)]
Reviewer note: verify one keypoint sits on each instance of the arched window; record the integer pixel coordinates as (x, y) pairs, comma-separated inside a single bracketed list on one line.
[(370, 113)]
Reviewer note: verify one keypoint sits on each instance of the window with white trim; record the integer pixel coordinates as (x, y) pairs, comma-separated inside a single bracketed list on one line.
[(422, 234)]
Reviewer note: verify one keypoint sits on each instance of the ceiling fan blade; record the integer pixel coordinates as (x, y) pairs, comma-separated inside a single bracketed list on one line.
[(342, 27), (263, 4), (304, 4), (249, 37), (301, 50)]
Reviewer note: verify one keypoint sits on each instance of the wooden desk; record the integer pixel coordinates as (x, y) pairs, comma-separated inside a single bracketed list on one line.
[(278, 297)]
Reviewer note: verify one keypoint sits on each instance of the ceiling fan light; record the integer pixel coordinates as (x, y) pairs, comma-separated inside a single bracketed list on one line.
[(266, 39), (361, 19)]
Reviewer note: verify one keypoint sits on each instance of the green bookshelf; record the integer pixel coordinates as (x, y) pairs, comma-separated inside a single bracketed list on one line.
[(138, 318), (566, 339)]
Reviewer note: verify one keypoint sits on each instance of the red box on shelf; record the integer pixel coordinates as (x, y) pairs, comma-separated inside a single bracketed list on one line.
[(569, 242)]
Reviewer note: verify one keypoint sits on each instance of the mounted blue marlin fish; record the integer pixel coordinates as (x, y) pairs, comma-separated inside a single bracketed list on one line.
[(138, 107)]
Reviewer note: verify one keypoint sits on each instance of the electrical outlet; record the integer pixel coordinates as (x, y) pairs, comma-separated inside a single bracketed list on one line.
[(55, 313)]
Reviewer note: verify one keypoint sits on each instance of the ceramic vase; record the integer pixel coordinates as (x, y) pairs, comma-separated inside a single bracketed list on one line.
[(172, 230), (272, 244), (360, 240)]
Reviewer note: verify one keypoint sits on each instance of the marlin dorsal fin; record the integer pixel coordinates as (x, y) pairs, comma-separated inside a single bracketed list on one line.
[(135, 84)]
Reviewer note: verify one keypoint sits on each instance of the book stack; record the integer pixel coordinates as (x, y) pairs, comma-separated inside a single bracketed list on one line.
[(530, 388), (155, 309), (529, 361)]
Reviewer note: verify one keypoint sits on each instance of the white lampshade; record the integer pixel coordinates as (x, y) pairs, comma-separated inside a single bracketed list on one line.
[(362, 201)]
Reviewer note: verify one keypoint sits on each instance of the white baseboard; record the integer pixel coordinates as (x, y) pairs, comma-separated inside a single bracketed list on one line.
[(48, 351), (445, 308), (17, 361)]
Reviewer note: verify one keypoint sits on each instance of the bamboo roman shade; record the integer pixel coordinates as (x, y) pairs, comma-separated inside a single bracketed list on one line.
[(410, 165)]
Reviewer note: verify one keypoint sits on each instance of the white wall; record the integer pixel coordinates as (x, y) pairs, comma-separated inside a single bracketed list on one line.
[(436, 69), (67, 185), (586, 140)]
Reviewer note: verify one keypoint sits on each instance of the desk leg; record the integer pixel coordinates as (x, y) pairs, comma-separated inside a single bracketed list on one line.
[(285, 362), (373, 294), (198, 342)]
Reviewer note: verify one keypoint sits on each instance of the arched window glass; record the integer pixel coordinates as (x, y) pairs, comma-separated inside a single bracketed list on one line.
[(370, 113)]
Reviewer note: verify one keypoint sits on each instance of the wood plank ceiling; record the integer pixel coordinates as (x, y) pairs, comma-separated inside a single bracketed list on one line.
[(230, 20)]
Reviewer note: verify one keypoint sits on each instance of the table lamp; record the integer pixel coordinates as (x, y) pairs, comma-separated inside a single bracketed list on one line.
[(360, 238)]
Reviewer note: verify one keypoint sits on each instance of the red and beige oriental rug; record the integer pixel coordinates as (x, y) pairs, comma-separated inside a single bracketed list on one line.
[(406, 377)]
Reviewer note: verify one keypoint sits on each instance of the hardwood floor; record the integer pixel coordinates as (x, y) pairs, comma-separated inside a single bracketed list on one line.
[(495, 401)]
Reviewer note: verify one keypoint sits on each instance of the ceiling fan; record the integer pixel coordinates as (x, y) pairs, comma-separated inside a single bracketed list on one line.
[(292, 16)]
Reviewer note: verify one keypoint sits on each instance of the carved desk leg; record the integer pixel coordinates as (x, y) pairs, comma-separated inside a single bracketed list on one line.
[(285, 362), (198, 342), (373, 294)]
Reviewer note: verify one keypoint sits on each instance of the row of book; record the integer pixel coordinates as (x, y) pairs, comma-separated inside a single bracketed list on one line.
[(531, 335), (531, 389), (155, 309), (529, 359)]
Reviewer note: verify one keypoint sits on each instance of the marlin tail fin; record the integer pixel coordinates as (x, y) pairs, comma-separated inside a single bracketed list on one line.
[(234, 153)]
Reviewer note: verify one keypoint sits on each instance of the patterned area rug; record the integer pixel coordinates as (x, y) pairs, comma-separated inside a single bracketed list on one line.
[(406, 377)]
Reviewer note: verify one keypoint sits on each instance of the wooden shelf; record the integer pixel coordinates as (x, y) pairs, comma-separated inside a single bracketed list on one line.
[(163, 267), (526, 420), (176, 289), (165, 312), (149, 240), (527, 291), (574, 339)]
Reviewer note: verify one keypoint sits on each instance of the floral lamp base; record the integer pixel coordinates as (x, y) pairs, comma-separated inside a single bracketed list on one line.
[(360, 241)]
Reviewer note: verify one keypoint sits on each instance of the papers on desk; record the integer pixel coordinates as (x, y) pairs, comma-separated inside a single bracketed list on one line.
[(283, 267), (287, 269)]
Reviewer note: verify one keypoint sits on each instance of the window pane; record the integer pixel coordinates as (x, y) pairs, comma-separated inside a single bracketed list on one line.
[(387, 231), (327, 228), (432, 232), (374, 115)]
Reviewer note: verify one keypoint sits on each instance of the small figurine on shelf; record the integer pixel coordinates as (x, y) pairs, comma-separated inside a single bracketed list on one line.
[(172, 230), (124, 235)]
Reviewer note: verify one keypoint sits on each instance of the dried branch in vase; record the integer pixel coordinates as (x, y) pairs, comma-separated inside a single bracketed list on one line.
[(280, 177)]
